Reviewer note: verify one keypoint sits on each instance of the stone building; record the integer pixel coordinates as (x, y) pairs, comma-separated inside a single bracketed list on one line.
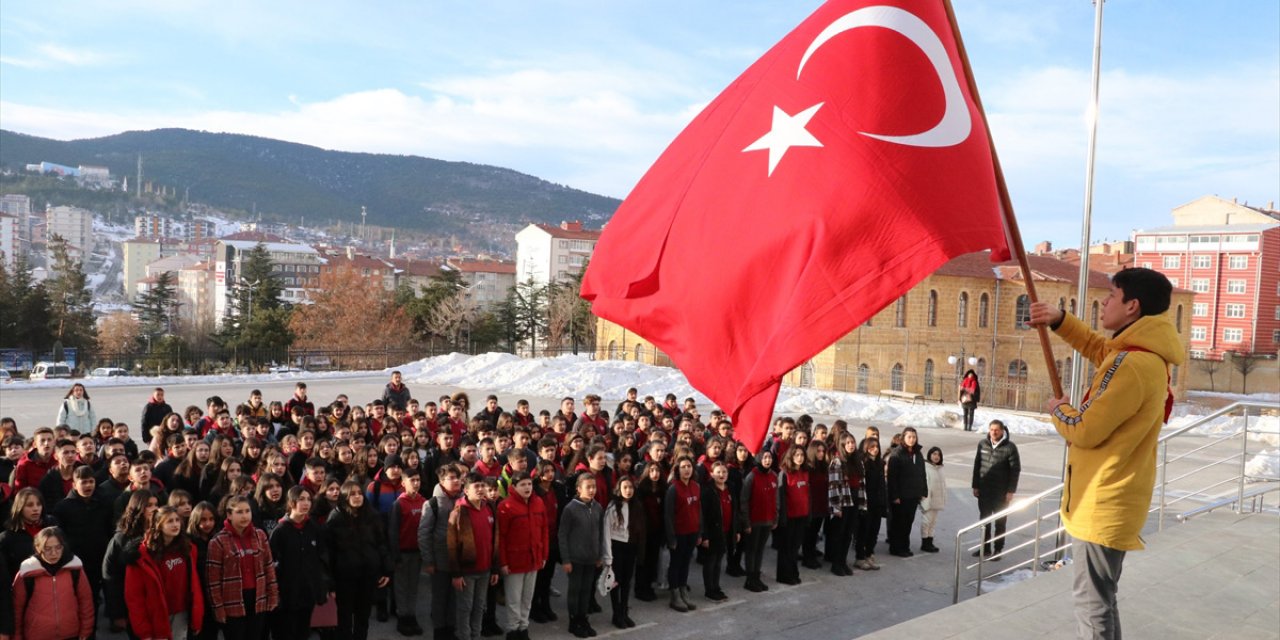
[(970, 314)]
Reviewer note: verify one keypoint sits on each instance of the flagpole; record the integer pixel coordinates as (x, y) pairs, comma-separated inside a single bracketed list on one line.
[(1082, 292), (1006, 207)]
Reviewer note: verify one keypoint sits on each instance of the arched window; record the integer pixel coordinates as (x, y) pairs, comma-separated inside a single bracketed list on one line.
[(1178, 321), (900, 312), (1017, 371), (1073, 306), (1093, 319), (928, 377), (962, 311), (933, 308), (1022, 313), (613, 349), (864, 375), (639, 353), (983, 305), (982, 369), (895, 377)]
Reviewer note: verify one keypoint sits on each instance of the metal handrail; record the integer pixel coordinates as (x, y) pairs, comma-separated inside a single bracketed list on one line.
[(1025, 504), (1229, 500)]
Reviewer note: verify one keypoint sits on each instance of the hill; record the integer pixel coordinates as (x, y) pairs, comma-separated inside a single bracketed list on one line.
[(286, 181)]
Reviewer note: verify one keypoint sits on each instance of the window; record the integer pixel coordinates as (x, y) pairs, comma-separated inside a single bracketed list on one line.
[(1200, 285), (1278, 313), (1093, 318), (1172, 262), (564, 244), (1017, 371), (1199, 309), (1199, 333), (932, 317), (1275, 338), (1022, 313), (895, 377), (1178, 321), (1146, 265), (900, 312), (1174, 282), (1235, 286), (1201, 262), (563, 259), (962, 311), (982, 368), (1233, 335), (864, 373), (982, 311), (928, 377), (639, 353), (1197, 354), (1235, 310)]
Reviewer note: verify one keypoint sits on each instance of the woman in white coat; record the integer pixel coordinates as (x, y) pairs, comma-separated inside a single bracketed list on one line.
[(935, 502), (76, 411)]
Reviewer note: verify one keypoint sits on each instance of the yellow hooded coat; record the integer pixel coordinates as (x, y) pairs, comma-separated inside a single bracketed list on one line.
[(1111, 438)]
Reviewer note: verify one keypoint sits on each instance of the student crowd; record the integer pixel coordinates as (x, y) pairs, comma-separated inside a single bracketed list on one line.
[(285, 518)]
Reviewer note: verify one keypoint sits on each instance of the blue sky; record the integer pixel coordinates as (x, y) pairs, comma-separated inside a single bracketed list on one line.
[(588, 92)]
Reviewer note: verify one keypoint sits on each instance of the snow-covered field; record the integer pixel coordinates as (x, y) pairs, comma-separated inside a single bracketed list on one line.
[(568, 375)]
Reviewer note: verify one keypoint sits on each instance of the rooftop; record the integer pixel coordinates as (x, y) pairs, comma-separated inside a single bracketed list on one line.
[(572, 232), (1043, 269), (1212, 228)]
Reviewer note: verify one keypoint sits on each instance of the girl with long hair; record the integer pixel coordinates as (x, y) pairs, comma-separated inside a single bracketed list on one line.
[(27, 518), (793, 512), (935, 501), (871, 466), (201, 525), (651, 493), (76, 411), (359, 549), (162, 585), (718, 528), (818, 502), (269, 503), (969, 395), (133, 523), (241, 574), (758, 516), (844, 491), (550, 490), (624, 525), (230, 471), (684, 530), (301, 567)]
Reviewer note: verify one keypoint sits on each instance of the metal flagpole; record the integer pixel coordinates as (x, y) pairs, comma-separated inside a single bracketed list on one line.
[(1082, 288)]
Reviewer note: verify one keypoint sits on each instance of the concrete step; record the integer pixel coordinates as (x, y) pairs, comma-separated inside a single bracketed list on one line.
[(1215, 576)]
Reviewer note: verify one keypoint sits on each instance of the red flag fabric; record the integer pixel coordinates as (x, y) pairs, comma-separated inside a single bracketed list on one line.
[(844, 166)]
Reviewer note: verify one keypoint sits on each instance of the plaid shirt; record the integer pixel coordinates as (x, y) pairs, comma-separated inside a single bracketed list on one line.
[(840, 495)]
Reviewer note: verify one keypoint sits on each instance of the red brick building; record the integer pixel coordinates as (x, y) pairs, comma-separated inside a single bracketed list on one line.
[(1229, 255)]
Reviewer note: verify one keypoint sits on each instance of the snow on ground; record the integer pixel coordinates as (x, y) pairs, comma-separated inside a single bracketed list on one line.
[(1264, 466), (165, 381)]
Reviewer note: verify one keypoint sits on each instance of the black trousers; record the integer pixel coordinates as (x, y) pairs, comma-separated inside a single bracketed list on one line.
[(647, 571), (986, 509), (291, 624), (968, 415), (868, 532), (355, 600), (681, 558), (903, 514), (755, 543), (624, 569), (712, 568), (792, 536), (581, 584), (840, 533), (811, 538), (542, 584), (249, 626)]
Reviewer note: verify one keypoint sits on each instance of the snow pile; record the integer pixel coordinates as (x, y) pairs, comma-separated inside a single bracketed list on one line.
[(1262, 428), (1264, 466), (166, 381)]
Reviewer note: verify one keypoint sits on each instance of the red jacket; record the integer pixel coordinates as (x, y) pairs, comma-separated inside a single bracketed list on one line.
[(144, 592), (57, 609), (598, 423), (523, 533), (31, 470)]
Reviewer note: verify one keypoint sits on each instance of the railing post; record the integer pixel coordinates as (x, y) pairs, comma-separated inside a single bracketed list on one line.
[(1035, 546), (1164, 469), (1244, 461), (955, 589)]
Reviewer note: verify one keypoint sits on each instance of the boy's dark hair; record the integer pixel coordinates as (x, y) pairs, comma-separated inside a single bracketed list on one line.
[(1149, 287), (82, 472), (518, 476), (410, 472), (517, 454)]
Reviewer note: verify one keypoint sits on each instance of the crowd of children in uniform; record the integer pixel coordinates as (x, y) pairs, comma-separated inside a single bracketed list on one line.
[(282, 519)]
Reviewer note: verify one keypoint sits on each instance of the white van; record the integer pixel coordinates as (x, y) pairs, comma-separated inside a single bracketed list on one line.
[(48, 370)]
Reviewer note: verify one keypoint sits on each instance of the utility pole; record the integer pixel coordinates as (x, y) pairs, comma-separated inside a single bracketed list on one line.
[(138, 185), (364, 217)]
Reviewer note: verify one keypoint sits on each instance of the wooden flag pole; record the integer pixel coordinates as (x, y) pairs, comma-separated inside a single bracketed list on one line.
[(1006, 207)]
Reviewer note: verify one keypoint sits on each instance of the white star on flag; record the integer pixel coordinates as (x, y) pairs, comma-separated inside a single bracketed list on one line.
[(787, 131)]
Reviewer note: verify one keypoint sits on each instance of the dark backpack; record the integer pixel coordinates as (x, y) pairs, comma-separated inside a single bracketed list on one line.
[(30, 583)]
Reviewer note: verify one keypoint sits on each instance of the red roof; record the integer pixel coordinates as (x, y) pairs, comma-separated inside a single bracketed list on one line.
[(483, 266), (417, 268), (566, 234), (1043, 269)]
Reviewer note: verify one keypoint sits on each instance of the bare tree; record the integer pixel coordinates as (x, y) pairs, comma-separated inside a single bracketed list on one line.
[(1210, 367), (118, 333), (451, 317), (1245, 362)]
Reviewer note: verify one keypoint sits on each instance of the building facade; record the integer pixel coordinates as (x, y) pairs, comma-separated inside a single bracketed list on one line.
[(10, 242), (73, 224), (487, 280), (1228, 254), (970, 314), (138, 253), (550, 254), (297, 266)]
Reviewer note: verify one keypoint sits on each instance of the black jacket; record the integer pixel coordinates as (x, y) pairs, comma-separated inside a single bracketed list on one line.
[(152, 414), (873, 483), (53, 489), (396, 397), (906, 479), (996, 469), (19, 545), (88, 526), (713, 525), (113, 567), (302, 561), (357, 546)]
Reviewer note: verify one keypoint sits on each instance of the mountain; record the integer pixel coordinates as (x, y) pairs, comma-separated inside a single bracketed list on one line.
[(286, 181)]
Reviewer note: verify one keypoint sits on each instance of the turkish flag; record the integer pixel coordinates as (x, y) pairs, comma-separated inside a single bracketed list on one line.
[(844, 166)]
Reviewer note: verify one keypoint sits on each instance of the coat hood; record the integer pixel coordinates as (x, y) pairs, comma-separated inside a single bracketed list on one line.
[(33, 565), (1151, 333)]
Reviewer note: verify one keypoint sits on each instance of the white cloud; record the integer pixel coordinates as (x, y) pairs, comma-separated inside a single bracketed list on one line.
[(50, 55)]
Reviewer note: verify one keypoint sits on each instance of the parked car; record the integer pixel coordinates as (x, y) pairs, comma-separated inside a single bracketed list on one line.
[(4, 376), (108, 372), (50, 370)]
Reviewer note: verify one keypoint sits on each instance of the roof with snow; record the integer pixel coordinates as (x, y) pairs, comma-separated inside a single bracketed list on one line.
[(568, 234)]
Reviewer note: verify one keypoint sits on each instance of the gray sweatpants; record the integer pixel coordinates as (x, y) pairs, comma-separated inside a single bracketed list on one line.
[(405, 581), (519, 591), (469, 613), (1097, 582)]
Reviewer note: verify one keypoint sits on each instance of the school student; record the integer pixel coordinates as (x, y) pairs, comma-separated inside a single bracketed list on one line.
[(625, 529), (241, 573), (522, 550), (357, 546), (934, 501), (758, 516), (684, 531), (302, 561), (906, 485), (793, 513), (581, 542), (549, 490), (818, 503), (473, 556), (433, 544), (844, 497), (871, 465), (51, 597), (651, 494), (718, 528), (402, 529), (162, 585)]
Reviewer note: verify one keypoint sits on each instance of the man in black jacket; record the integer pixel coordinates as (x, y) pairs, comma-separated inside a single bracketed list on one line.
[(906, 485), (86, 520), (396, 394), (153, 413), (995, 479)]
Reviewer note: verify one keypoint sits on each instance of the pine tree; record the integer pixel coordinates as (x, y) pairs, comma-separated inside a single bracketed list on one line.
[(261, 319), (157, 308), (24, 310), (71, 318)]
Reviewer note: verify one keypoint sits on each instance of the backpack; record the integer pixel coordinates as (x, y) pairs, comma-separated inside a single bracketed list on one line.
[(30, 583)]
